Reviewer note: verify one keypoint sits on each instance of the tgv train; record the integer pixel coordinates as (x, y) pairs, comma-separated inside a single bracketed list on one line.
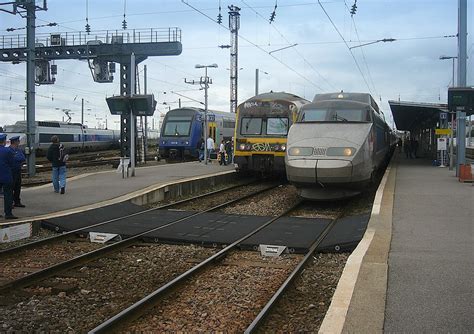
[(74, 136), (336, 145), (183, 127), (260, 134)]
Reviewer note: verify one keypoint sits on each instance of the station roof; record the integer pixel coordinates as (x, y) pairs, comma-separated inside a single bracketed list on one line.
[(410, 116)]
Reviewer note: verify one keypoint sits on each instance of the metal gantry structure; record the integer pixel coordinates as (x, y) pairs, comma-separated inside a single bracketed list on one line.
[(27, 8), (234, 26), (102, 49)]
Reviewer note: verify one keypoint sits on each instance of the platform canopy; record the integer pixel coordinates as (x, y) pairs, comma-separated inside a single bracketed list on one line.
[(409, 116)]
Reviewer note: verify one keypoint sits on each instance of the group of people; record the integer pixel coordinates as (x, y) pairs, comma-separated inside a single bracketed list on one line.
[(410, 146), (11, 161), (224, 154)]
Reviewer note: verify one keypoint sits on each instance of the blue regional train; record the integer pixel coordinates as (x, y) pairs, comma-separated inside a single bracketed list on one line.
[(183, 127)]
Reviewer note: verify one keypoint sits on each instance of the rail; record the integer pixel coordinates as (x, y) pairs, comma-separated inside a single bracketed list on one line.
[(142, 305), (272, 302), (95, 254), (76, 38)]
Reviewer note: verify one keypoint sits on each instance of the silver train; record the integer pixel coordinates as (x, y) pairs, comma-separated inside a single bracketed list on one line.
[(74, 136), (336, 146)]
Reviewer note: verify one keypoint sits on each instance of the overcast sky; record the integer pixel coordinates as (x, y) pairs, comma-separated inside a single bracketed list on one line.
[(408, 68)]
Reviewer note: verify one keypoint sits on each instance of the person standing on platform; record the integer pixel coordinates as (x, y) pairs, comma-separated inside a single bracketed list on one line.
[(200, 148), (58, 158), (228, 150), (407, 148), (19, 159), (210, 148), (6, 178), (222, 153)]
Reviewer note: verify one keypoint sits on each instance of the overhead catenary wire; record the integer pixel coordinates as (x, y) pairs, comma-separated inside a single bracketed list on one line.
[(362, 50), (255, 45), (347, 45), (286, 40)]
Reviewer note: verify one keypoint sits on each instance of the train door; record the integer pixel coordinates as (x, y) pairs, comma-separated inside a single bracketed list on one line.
[(212, 130)]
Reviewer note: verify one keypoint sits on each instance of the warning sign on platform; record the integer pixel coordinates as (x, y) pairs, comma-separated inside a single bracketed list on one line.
[(14, 233), (442, 144), (443, 131)]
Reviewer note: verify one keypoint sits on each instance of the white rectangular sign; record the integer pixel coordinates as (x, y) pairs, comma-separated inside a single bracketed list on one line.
[(15, 232), (442, 144)]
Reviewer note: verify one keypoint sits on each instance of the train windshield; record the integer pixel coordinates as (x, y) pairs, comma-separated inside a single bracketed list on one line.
[(251, 126), (177, 126), (334, 115), (277, 126)]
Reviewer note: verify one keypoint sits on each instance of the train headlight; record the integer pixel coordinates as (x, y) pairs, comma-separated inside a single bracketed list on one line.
[(340, 151), (300, 151), (280, 148), (245, 147)]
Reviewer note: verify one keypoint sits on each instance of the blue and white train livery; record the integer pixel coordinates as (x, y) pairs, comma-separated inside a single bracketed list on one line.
[(74, 136), (183, 127)]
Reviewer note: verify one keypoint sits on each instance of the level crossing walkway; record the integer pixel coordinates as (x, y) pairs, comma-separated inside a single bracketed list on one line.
[(93, 188)]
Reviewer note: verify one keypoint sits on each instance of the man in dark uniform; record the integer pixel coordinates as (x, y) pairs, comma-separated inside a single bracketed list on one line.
[(16, 171), (6, 179)]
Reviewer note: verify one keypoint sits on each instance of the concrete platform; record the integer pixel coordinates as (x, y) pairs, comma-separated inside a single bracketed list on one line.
[(413, 270), (97, 189)]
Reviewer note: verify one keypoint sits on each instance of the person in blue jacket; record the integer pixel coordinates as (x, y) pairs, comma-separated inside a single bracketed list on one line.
[(18, 161), (6, 179)]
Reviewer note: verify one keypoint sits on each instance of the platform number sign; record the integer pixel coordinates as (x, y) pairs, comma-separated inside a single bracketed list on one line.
[(210, 117), (443, 116)]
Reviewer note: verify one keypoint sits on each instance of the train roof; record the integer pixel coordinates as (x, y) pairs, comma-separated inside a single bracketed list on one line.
[(51, 124), (275, 96), (210, 111), (343, 96)]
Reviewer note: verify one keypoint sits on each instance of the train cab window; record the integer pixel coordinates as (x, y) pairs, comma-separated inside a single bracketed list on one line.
[(177, 128), (313, 115), (349, 115), (251, 126), (277, 126), (334, 115)]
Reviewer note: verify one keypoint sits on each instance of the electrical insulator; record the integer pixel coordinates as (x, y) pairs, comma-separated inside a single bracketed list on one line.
[(354, 8), (124, 25), (219, 18), (88, 28), (272, 17)]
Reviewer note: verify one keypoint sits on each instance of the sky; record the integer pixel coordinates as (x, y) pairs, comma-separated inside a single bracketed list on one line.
[(327, 56)]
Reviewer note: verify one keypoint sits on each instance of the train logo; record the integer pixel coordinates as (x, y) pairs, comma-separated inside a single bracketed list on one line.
[(261, 147)]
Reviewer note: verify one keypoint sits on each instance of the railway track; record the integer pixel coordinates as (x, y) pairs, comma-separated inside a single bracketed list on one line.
[(191, 288), (81, 267), (78, 295), (69, 251)]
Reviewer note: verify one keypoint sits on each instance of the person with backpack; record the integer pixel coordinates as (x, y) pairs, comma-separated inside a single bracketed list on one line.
[(58, 157)]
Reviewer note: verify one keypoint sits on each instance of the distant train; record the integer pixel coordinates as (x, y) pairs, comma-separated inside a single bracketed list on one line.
[(182, 128), (337, 145), (74, 136), (260, 134)]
